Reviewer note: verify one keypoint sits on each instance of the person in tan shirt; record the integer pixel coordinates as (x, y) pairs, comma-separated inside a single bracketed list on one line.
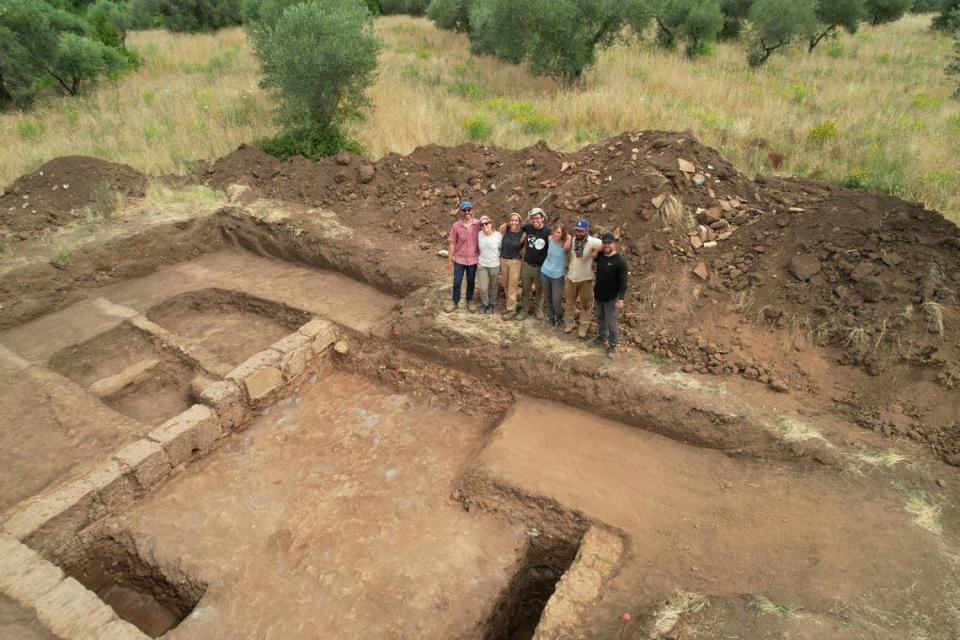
[(578, 286)]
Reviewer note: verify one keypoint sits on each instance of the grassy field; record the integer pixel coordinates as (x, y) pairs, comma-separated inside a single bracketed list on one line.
[(870, 110)]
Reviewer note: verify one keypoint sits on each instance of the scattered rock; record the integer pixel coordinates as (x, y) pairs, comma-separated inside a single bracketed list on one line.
[(804, 266), (365, 173), (701, 271), (871, 289), (343, 158), (341, 347), (778, 385), (686, 166)]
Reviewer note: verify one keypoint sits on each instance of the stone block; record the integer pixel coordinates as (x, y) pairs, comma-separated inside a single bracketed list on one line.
[(134, 374), (295, 362), (226, 398), (291, 343), (24, 575), (50, 519), (114, 484), (193, 432), (323, 332), (260, 375), (147, 460), (119, 630), (71, 611)]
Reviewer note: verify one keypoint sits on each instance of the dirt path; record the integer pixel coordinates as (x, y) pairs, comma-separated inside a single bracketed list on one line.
[(700, 521)]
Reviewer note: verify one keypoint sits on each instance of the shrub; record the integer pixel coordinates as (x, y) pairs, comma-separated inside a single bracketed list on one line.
[(826, 130), (948, 18), (310, 142), (78, 59), (198, 15), (27, 44), (478, 128), (697, 22), (776, 24), (856, 180), (412, 7), (108, 22), (453, 15), (835, 50), (30, 131)]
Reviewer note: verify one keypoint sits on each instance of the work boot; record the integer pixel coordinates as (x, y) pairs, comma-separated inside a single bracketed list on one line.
[(539, 314), (472, 308), (597, 342), (451, 307), (582, 334), (568, 328), (612, 351), (508, 315)]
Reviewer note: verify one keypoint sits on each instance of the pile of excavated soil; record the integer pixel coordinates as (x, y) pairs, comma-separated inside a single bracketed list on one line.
[(52, 195), (730, 275)]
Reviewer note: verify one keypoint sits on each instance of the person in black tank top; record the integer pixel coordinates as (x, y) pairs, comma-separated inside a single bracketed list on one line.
[(510, 259)]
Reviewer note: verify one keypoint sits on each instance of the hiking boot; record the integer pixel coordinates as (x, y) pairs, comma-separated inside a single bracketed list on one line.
[(539, 314), (568, 328), (451, 307), (508, 315), (597, 342), (472, 308), (612, 351), (582, 334)]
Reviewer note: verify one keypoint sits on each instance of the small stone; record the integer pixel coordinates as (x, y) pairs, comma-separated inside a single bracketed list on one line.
[(443, 253), (871, 289), (343, 158), (699, 179), (862, 270), (365, 173), (701, 270), (941, 482), (657, 201), (686, 166), (778, 385), (804, 266), (342, 347), (892, 259)]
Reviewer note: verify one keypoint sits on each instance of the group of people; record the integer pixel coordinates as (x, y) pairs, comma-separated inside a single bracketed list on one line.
[(544, 267)]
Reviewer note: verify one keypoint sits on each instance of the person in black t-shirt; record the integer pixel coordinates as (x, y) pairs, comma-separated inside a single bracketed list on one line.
[(609, 289), (536, 233)]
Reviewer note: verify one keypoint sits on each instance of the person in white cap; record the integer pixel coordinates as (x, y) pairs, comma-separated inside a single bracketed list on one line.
[(536, 235), (583, 249)]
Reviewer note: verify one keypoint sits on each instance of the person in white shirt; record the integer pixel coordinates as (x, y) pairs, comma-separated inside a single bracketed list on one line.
[(582, 249), (488, 273)]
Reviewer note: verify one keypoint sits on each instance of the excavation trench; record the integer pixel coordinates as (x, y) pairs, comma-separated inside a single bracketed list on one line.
[(154, 600)]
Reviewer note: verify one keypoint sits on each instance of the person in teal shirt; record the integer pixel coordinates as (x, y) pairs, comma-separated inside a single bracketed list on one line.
[(551, 275)]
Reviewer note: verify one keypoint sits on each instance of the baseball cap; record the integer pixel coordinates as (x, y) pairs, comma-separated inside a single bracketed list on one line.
[(607, 238), (582, 224), (466, 204)]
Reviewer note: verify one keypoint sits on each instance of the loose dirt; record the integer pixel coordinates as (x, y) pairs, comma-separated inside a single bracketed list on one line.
[(55, 194)]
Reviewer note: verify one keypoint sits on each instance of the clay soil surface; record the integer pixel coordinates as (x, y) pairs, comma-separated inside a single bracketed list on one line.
[(331, 517)]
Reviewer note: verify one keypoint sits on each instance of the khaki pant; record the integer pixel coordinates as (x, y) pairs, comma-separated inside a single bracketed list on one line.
[(574, 291), (530, 279), (510, 272)]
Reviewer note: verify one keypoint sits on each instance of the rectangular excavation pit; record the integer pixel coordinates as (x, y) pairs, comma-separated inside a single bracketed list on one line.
[(153, 600), (230, 325), (130, 373), (518, 613)]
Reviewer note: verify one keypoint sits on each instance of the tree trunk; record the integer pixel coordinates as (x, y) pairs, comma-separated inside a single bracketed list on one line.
[(816, 38)]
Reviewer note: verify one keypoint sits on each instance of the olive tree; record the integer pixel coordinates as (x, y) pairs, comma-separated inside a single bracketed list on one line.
[(776, 24), (453, 15), (320, 58), (836, 14), (696, 22), (880, 11)]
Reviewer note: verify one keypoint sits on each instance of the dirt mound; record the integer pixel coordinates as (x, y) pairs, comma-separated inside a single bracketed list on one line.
[(730, 275), (54, 193)]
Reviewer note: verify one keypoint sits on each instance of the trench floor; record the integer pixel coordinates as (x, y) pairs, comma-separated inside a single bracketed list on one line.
[(331, 517), (16, 623), (53, 426), (701, 521)]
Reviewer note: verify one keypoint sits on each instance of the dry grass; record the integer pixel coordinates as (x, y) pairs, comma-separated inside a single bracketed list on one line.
[(681, 603), (882, 92)]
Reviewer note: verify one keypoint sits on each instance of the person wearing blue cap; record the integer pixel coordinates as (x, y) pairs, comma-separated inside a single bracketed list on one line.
[(578, 286), (464, 255)]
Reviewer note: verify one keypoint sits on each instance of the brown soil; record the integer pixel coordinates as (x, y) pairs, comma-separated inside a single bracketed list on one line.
[(53, 195), (811, 277)]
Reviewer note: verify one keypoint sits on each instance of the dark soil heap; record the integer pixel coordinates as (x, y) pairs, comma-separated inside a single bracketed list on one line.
[(53, 194), (730, 275)]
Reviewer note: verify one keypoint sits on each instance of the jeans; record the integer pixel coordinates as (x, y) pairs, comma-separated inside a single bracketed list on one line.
[(510, 268), (458, 271), (553, 292), (608, 317), (489, 284), (530, 275), (582, 291)]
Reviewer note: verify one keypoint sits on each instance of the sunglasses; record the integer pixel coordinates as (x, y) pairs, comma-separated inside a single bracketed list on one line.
[(487, 222), (468, 209)]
